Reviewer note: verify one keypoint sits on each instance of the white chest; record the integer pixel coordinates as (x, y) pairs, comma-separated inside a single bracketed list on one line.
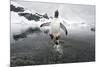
[(55, 26)]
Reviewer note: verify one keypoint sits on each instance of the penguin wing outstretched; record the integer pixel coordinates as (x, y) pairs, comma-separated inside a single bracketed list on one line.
[(64, 28), (45, 24)]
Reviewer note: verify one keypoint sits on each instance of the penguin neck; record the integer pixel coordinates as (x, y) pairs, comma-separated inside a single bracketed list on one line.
[(55, 18)]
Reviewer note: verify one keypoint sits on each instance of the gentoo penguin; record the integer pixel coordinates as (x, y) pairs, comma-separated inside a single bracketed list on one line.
[(55, 25)]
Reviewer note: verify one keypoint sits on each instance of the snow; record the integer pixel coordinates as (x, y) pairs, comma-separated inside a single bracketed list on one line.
[(15, 4)]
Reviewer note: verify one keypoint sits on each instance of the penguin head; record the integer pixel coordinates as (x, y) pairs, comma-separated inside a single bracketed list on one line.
[(56, 14)]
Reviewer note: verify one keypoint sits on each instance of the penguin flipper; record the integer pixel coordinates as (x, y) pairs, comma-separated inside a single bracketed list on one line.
[(45, 24), (64, 28)]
